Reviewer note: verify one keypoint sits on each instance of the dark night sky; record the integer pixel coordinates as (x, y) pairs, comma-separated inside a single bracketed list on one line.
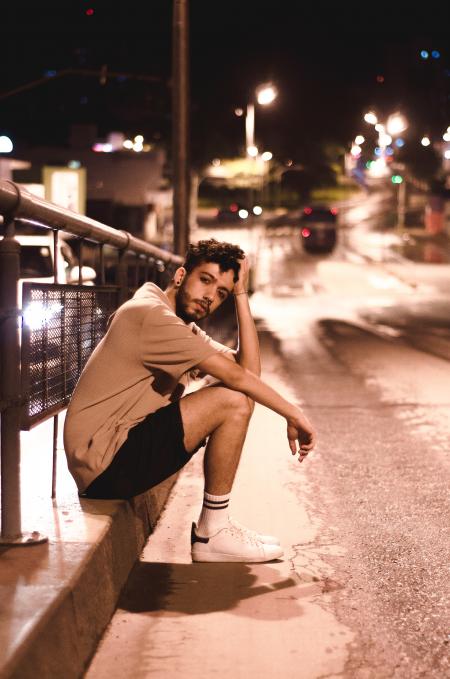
[(324, 58)]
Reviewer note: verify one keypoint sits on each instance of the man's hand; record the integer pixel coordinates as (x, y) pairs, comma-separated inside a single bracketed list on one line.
[(244, 380), (241, 284), (300, 430)]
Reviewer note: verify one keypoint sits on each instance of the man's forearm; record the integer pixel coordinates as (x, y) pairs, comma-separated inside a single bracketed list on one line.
[(248, 355), (299, 429), (261, 392), (244, 380)]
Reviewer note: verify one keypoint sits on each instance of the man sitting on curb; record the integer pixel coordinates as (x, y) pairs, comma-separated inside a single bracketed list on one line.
[(127, 427)]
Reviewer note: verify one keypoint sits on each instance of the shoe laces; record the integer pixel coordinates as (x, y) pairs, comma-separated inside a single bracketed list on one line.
[(242, 532)]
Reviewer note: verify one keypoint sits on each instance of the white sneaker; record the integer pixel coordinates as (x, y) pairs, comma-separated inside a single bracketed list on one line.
[(267, 539), (232, 543)]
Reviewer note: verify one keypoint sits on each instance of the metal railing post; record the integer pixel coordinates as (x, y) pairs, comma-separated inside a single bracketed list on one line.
[(11, 533), (122, 276), (56, 417)]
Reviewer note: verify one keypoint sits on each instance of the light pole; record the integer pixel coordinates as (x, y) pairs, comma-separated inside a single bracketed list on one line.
[(265, 95), (250, 130), (180, 125), (266, 157)]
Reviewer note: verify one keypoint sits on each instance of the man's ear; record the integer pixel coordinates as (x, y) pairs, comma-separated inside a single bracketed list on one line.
[(179, 276)]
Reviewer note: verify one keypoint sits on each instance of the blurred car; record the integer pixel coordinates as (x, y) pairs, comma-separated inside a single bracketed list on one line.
[(318, 228), (235, 212), (37, 255), (37, 258), (37, 262)]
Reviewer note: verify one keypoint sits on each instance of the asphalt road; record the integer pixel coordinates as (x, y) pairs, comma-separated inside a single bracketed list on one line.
[(380, 485), (366, 343), (365, 338)]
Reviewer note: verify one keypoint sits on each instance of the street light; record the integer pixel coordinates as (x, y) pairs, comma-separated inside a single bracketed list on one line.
[(396, 123), (265, 95), (6, 145), (391, 127)]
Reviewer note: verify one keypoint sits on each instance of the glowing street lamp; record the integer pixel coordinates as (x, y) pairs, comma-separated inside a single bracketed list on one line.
[(265, 95), (394, 125), (6, 145), (371, 118)]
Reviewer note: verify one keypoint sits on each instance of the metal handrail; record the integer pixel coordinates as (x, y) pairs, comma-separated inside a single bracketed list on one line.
[(16, 204)]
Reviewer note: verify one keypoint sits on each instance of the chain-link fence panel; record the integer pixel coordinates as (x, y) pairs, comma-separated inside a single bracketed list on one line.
[(61, 326)]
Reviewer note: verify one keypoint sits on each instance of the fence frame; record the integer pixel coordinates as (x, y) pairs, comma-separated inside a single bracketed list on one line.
[(17, 204)]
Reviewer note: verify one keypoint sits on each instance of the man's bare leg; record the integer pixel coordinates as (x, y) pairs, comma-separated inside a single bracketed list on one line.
[(223, 415)]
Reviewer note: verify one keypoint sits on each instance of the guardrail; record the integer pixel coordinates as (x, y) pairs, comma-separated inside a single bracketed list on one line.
[(46, 341)]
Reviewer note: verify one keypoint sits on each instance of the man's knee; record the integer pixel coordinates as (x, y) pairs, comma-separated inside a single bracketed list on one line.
[(237, 403)]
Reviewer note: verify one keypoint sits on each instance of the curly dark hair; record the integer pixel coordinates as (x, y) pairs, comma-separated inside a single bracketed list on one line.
[(224, 254)]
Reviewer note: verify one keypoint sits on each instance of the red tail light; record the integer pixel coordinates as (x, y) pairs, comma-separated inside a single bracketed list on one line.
[(306, 233), (307, 210)]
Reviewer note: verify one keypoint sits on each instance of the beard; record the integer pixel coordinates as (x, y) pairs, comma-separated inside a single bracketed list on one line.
[(182, 302)]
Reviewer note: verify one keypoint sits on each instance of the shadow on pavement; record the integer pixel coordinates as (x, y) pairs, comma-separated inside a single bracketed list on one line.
[(200, 588)]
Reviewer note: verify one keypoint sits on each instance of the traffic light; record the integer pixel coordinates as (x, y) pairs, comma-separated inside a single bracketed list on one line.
[(397, 179)]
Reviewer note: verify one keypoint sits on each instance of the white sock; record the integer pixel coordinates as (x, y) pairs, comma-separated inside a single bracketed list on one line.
[(214, 514)]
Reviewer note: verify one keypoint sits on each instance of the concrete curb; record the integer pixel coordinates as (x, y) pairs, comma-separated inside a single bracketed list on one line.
[(50, 627)]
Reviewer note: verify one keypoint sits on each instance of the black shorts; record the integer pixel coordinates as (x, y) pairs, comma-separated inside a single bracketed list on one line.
[(153, 451)]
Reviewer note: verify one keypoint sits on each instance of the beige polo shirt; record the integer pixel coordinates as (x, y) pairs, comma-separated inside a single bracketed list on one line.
[(139, 366)]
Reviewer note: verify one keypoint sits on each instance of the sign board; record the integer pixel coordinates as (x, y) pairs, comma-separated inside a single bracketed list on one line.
[(66, 187)]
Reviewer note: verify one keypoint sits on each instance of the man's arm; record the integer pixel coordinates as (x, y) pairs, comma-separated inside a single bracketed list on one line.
[(248, 355), (241, 379)]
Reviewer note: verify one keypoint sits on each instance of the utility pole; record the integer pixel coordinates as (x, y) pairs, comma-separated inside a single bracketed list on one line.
[(180, 126), (401, 206)]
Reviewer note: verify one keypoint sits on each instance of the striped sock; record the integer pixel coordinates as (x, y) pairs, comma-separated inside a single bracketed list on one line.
[(214, 514)]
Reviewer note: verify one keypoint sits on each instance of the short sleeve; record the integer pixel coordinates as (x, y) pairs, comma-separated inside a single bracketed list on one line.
[(168, 344), (222, 348)]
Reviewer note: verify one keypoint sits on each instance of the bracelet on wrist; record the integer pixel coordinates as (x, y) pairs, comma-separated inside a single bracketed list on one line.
[(244, 292)]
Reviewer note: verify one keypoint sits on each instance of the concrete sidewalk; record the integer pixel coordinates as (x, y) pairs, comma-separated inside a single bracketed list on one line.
[(57, 598)]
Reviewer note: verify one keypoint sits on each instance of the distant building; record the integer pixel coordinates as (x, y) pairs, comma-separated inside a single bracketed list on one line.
[(123, 187)]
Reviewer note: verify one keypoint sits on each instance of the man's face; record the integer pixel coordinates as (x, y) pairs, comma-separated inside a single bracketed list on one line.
[(202, 291)]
